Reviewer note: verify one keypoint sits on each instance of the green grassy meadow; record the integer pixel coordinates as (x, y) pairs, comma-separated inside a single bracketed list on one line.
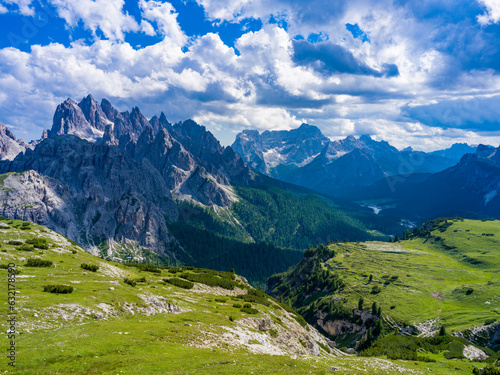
[(132, 330)]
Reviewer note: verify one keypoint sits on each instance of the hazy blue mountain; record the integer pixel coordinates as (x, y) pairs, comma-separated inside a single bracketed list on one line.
[(304, 156), (470, 188)]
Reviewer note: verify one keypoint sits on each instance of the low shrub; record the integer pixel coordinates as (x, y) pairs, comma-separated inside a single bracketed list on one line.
[(273, 332), (210, 280), (247, 306), (140, 280), (59, 289), (221, 300), (300, 320), (37, 262), (39, 243), (237, 306), (144, 267), (489, 370), (15, 243), (89, 267), (130, 282), (249, 310), (180, 283), (376, 289), (26, 247)]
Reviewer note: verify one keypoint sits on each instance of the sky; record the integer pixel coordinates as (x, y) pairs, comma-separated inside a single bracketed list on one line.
[(424, 73)]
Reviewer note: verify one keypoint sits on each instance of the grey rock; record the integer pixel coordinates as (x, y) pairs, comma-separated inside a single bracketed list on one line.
[(10, 146)]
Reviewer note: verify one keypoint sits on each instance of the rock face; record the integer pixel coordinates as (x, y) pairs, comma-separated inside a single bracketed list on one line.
[(305, 157), (90, 193), (9, 145), (108, 179), (264, 152)]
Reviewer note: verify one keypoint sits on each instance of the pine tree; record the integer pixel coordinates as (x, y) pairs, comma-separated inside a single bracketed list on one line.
[(442, 331), (370, 279), (360, 303), (378, 327), (374, 308)]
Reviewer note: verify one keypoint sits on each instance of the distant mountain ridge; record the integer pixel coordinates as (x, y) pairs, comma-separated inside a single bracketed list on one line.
[(469, 189), (304, 156)]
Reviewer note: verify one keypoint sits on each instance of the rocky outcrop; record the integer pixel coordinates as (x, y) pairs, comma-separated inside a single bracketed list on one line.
[(266, 151), (10, 146), (92, 193)]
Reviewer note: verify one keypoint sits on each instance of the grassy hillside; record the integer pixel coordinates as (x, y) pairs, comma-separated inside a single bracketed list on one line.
[(447, 276), (105, 325)]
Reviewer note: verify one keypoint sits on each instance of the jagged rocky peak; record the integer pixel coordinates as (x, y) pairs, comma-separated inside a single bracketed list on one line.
[(93, 121), (160, 122), (196, 138), (265, 151), (70, 119), (93, 113), (10, 146)]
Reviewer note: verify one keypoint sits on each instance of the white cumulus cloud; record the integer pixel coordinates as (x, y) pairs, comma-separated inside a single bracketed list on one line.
[(492, 14)]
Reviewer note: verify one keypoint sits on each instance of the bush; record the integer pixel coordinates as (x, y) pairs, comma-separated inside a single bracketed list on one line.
[(130, 282), (26, 247), (249, 310), (15, 243), (144, 267), (222, 300), (300, 320), (37, 262), (273, 332), (247, 306), (180, 283), (490, 370), (210, 280), (59, 289), (140, 280), (89, 267), (376, 289), (237, 306), (39, 243)]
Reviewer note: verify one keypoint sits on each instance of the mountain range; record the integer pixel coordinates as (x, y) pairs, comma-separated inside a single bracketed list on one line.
[(126, 188), (304, 156)]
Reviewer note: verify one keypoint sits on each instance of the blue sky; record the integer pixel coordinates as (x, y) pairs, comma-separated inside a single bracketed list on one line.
[(424, 74)]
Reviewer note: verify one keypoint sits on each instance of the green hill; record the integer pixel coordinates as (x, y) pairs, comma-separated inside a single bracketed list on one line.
[(113, 318), (447, 274)]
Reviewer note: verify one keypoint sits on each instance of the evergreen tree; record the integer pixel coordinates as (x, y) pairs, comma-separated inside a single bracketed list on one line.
[(377, 330), (442, 331), (396, 239), (370, 279), (374, 308), (360, 303)]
